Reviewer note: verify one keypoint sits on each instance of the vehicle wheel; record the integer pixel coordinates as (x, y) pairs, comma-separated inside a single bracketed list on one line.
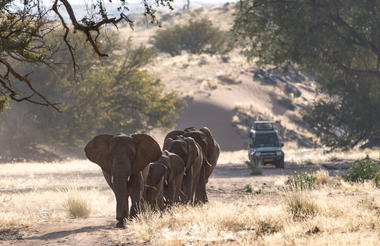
[(280, 164)]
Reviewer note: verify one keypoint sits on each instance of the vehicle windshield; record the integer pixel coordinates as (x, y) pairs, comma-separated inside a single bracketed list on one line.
[(266, 140)]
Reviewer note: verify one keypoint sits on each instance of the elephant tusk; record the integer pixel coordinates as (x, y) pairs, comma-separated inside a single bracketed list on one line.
[(183, 194)]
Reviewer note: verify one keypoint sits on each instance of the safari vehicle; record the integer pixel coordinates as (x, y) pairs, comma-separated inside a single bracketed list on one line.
[(265, 145)]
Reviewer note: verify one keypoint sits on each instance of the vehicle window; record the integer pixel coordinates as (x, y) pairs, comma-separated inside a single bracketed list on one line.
[(266, 140)]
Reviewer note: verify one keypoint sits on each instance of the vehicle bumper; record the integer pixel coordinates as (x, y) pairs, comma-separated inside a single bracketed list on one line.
[(268, 159)]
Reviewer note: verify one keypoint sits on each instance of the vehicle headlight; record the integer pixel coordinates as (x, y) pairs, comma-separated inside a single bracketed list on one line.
[(257, 153), (279, 153)]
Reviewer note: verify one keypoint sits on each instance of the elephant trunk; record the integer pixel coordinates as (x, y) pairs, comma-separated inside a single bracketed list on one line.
[(121, 174)]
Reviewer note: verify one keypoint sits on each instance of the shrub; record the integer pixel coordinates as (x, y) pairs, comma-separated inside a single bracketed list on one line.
[(377, 179), (256, 168), (301, 208), (265, 227), (77, 207), (301, 181), (196, 37), (321, 177), (248, 188), (363, 170)]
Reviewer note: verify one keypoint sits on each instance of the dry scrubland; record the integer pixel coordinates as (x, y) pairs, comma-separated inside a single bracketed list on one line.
[(63, 195), (70, 203)]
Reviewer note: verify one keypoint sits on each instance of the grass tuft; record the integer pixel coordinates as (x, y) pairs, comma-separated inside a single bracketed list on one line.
[(77, 207), (322, 177), (265, 227), (301, 181), (256, 169), (301, 207)]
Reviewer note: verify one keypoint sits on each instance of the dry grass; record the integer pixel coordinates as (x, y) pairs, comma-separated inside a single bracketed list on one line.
[(208, 85), (33, 193), (321, 177), (338, 213), (301, 219), (301, 207), (77, 207), (233, 157), (319, 155)]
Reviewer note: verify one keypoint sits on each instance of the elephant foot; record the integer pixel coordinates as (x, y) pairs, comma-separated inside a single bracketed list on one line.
[(120, 224)]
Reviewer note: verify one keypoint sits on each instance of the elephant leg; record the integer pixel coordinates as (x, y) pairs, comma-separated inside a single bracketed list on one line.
[(178, 186), (200, 194), (194, 189), (161, 203), (187, 186), (171, 193), (137, 190)]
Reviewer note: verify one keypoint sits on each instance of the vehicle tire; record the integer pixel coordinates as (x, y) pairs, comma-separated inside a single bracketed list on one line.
[(280, 164)]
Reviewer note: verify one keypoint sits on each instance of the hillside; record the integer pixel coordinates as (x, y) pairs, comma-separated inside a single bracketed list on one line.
[(227, 94)]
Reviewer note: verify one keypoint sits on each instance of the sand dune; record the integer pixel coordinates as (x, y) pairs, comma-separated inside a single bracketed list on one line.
[(217, 118)]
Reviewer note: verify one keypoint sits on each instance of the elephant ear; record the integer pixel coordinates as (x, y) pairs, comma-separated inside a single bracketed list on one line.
[(192, 152), (173, 135), (209, 139), (167, 144), (147, 151), (201, 139), (213, 150), (97, 151)]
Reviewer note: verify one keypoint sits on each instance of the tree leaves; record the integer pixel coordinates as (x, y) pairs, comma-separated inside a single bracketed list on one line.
[(338, 43)]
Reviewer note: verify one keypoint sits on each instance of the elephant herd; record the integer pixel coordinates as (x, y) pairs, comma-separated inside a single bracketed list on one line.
[(135, 167)]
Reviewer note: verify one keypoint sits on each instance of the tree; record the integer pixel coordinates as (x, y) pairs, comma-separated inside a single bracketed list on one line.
[(338, 43), (112, 95), (24, 26), (196, 37)]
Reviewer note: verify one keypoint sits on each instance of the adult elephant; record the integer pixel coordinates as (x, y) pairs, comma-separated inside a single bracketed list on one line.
[(192, 155), (211, 151), (122, 159)]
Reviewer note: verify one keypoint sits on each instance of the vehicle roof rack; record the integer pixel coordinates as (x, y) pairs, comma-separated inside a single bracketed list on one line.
[(264, 125)]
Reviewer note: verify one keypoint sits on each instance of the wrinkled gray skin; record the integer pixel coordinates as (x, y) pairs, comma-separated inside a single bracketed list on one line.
[(211, 151), (154, 185), (122, 159), (191, 153)]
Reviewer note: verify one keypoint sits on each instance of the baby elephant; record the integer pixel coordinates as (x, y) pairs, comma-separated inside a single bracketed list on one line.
[(154, 185), (164, 180), (174, 176)]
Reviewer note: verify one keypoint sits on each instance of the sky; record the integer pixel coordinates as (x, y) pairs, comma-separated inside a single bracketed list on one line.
[(195, 3), (175, 1)]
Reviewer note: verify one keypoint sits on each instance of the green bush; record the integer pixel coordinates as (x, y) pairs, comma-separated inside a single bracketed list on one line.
[(301, 181), (256, 168), (4, 102), (377, 179), (196, 37), (363, 170)]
